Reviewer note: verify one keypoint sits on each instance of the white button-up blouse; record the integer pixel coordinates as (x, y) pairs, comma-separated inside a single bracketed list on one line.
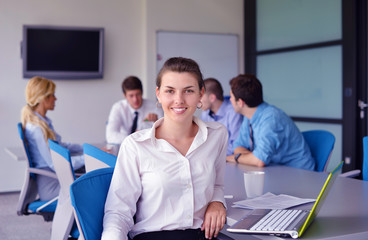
[(162, 188)]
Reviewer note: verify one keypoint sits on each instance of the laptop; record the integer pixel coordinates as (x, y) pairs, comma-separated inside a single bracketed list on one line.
[(285, 222)]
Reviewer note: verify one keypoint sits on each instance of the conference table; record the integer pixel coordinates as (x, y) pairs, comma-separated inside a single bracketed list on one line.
[(344, 214), (16, 152)]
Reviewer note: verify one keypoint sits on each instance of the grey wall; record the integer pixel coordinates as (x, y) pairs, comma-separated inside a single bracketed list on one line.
[(130, 32)]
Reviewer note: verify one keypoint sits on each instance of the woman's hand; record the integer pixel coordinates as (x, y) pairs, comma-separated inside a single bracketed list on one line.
[(214, 219)]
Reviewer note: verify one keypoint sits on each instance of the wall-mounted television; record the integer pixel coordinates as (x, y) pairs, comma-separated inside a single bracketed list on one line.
[(58, 52)]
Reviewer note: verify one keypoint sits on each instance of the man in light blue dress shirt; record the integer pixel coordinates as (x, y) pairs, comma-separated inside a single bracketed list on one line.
[(217, 109), (267, 136)]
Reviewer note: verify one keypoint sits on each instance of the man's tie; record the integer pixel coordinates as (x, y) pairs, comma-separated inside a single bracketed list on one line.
[(135, 120), (212, 115), (251, 143)]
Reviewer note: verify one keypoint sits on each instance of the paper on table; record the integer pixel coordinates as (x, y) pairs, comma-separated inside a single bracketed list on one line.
[(272, 201)]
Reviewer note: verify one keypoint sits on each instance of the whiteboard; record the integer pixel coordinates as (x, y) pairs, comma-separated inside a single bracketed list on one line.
[(216, 54)]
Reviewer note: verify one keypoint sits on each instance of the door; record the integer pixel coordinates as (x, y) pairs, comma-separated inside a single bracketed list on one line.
[(305, 54)]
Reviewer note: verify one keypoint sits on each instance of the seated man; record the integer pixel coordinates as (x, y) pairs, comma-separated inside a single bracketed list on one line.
[(219, 110), (132, 113), (267, 135)]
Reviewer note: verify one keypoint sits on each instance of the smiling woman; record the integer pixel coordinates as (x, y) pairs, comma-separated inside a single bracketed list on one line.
[(170, 177), (179, 96)]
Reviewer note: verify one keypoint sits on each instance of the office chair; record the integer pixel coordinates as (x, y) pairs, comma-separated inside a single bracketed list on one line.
[(321, 144), (88, 195), (28, 202), (95, 158), (63, 224), (365, 158), (356, 172)]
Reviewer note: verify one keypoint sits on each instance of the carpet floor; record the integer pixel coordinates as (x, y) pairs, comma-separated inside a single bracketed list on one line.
[(14, 227)]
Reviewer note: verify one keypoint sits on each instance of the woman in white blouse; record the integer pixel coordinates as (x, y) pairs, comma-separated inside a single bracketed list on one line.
[(168, 181)]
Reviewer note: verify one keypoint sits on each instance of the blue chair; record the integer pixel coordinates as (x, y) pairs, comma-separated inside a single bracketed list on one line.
[(95, 158), (63, 224), (28, 202), (357, 172), (365, 158), (321, 144), (88, 195)]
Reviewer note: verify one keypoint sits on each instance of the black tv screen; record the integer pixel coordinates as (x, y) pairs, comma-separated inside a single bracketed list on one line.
[(62, 52)]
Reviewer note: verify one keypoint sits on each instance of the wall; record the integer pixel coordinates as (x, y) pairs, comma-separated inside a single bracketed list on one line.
[(130, 30), (209, 16)]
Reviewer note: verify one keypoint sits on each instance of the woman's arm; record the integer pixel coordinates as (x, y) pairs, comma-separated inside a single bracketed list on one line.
[(125, 189), (215, 216)]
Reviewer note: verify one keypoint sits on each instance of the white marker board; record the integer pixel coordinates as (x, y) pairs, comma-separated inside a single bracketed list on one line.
[(216, 54)]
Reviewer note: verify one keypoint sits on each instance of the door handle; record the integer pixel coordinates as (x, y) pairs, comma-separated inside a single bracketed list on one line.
[(362, 105)]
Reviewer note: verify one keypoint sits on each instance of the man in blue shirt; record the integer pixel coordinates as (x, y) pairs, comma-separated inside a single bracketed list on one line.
[(267, 135), (218, 109)]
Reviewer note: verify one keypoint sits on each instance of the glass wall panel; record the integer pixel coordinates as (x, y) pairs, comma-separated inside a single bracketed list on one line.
[(336, 130), (305, 83), (285, 23)]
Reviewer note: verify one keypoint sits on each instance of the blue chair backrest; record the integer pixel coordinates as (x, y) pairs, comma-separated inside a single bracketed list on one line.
[(88, 195), (365, 158), (25, 145), (103, 156), (321, 144), (27, 203)]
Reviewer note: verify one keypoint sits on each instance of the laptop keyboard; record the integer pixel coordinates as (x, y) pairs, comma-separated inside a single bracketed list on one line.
[(276, 220)]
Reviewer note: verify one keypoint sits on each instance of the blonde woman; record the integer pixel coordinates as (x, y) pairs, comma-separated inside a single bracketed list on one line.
[(40, 98), (170, 177)]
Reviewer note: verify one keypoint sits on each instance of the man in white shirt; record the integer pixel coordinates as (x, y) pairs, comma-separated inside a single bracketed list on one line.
[(132, 113)]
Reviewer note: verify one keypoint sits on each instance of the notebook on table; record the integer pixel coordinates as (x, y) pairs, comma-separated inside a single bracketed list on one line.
[(284, 222)]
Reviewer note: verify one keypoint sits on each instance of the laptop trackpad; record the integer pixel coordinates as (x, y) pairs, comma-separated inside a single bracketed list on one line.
[(250, 219)]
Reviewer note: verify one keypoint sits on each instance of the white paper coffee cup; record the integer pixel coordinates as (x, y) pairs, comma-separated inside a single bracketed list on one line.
[(254, 183)]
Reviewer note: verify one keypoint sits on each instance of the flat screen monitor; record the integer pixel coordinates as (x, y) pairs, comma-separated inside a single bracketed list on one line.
[(57, 52)]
